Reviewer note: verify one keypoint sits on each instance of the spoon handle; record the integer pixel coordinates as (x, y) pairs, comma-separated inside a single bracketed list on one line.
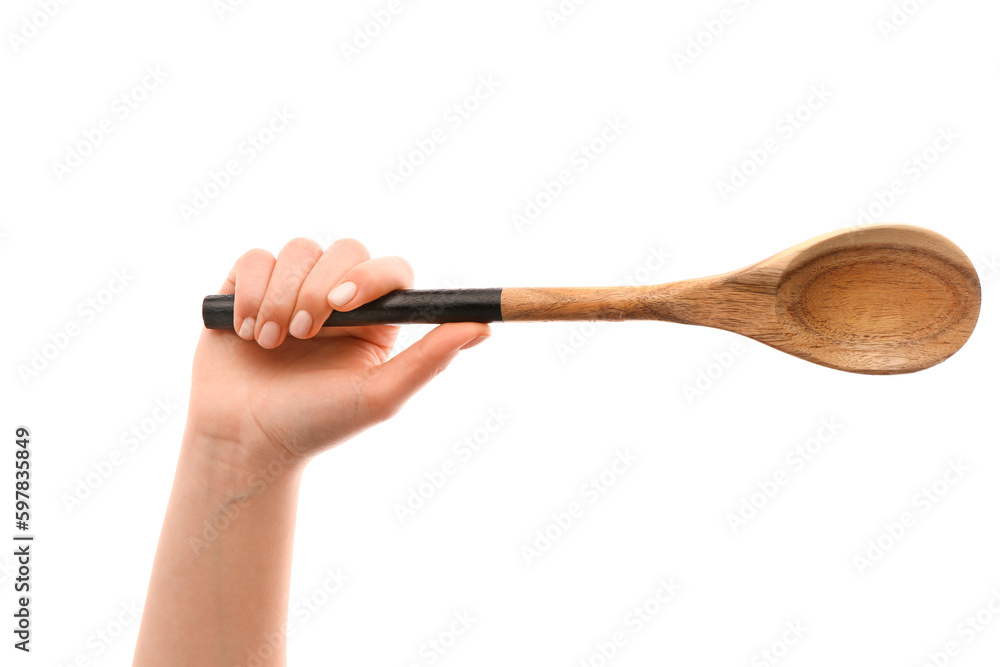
[(548, 304), (399, 307), (472, 305)]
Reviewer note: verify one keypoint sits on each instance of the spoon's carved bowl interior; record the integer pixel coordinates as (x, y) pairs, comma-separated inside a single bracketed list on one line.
[(885, 299)]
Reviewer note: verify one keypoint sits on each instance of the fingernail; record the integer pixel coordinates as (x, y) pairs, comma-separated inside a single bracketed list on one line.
[(269, 333), (474, 342), (301, 324), (246, 329), (342, 293)]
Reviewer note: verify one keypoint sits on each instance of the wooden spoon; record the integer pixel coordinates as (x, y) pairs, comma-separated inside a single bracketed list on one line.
[(879, 299)]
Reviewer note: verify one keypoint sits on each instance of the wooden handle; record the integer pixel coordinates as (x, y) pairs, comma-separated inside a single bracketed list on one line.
[(541, 304)]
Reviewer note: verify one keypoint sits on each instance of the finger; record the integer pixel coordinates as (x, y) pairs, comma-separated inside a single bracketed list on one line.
[(395, 381), (248, 281), (229, 287), (311, 306), (294, 263), (370, 280)]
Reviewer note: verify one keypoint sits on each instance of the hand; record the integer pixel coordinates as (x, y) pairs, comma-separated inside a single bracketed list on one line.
[(284, 386)]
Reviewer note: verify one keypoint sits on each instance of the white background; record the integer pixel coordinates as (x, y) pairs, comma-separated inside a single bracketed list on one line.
[(620, 388)]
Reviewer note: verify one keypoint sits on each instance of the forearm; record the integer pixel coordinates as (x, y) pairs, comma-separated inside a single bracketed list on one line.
[(218, 594)]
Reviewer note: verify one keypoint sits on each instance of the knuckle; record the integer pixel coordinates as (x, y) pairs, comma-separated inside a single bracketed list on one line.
[(277, 302), (268, 310), (283, 294), (256, 257), (350, 246), (311, 297), (297, 276), (305, 246)]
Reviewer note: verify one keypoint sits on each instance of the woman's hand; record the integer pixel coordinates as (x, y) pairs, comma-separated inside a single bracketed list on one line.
[(263, 402), (284, 386)]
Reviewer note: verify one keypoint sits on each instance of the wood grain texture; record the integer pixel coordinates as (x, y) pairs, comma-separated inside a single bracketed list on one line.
[(878, 299)]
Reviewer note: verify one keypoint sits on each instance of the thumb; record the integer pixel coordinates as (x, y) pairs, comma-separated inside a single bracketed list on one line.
[(395, 381)]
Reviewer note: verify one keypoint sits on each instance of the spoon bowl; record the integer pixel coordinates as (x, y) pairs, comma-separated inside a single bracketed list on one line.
[(892, 299), (880, 299)]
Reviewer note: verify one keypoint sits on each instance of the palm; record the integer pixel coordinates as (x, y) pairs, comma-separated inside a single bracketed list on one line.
[(301, 395)]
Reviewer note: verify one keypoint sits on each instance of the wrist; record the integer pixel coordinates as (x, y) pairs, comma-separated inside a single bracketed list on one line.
[(240, 464)]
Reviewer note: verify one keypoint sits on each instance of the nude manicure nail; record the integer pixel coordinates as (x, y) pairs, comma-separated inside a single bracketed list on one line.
[(246, 329), (269, 333), (301, 324), (342, 293)]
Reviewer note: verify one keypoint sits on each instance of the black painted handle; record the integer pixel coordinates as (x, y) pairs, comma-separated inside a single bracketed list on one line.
[(399, 307)]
